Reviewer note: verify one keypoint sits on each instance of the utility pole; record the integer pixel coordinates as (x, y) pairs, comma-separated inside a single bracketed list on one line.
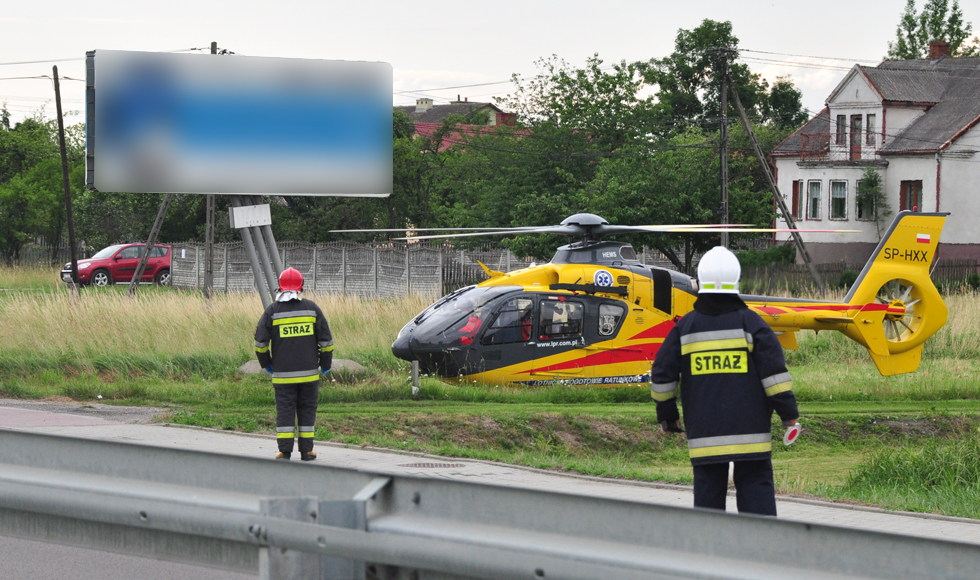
[(64, 175), (787, 214), (209, 232), (723, 149), (150, 242)]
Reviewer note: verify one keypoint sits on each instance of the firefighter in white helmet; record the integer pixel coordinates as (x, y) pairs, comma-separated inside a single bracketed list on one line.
[(731, 373)]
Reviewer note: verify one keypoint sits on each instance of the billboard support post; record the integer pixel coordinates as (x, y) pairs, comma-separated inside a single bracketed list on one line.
[(209, 248), (273, 250), (258, 272), (154, 232), (209, 231), (64, 175)]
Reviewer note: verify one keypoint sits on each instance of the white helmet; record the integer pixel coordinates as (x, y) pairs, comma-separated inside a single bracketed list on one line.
[(719, 272)]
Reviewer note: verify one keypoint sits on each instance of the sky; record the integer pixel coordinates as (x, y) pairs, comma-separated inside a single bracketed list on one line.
[(435, 44)]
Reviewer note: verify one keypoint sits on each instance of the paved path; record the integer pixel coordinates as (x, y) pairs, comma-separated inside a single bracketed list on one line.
[(115, 424)]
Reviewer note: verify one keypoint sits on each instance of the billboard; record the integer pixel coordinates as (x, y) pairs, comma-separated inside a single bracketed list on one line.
[(191, 123)]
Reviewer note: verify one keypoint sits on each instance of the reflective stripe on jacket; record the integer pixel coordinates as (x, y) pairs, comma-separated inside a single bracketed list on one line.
[(294, 338), (731, 374)]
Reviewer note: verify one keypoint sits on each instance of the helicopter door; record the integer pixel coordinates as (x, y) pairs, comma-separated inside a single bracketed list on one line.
[(559, 352), (508, 340)]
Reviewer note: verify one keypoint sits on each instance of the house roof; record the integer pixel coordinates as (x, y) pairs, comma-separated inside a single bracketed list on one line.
[(459, 133), (437, 113), (948, 87), (915, 86), (793, 145), (940, 125)]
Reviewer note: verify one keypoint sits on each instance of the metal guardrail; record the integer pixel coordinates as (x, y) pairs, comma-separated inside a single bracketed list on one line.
[(291, 521)]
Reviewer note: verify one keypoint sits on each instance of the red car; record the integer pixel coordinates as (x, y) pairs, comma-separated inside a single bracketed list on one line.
[(118, 264)]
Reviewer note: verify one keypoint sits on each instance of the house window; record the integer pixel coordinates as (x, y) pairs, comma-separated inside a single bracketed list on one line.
[(872, 127), (813, 203), (866, 210), (841, 129), (911, 196), (797, 208), (838, 200)]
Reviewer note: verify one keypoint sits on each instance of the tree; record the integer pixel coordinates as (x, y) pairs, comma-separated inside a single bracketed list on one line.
[(688, 81), (600, 102), (938, 22), (872, 200), (784, 106)]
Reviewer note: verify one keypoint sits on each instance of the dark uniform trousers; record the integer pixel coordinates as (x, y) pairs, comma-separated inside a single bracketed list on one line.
[(296, 403), (755, 493), (294, 338)]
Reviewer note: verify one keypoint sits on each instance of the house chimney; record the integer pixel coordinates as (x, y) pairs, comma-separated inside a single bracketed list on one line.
[(938, 50), (422, 105)]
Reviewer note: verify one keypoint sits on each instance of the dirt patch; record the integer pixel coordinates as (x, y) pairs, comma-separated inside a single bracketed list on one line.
[(608, 430), (913, 427), (57, 399), (489, 424), (568, 439)]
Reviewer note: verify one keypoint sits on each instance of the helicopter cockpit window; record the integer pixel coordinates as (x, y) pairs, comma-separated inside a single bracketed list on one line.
[(627, 252), (609, 317), (462, 316), (513, 323), (581, 257), (560, 319)]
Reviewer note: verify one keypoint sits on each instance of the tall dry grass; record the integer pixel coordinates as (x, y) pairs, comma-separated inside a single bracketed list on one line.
[(33, 277), (958, 339), (164, 324)]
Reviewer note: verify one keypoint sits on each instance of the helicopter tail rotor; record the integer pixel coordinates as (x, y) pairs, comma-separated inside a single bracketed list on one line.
[(900, 306)]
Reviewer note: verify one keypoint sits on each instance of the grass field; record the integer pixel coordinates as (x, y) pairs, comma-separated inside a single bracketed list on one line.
[(907, 442)]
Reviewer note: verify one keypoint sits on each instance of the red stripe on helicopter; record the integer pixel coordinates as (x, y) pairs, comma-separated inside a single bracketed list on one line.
[(659, 331), (871, 307), (638, 352)]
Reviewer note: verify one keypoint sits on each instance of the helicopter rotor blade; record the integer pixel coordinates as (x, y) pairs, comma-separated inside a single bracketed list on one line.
[(385, 230), (564, 230)]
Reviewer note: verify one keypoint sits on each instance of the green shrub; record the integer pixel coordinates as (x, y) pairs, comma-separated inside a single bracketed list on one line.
[(781, 254), (847, 279), (974, 281)]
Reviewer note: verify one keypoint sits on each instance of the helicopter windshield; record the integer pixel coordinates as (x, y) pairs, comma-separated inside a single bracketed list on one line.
[(459, 316)]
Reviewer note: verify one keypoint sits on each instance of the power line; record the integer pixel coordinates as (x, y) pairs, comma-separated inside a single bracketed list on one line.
[(810, 56), (399, 91), (796, 64)]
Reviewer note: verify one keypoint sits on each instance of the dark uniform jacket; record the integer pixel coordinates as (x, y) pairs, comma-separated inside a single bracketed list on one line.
[(732, 375), (294, 337)]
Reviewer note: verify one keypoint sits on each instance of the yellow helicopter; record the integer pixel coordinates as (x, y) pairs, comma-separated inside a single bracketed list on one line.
[(595, 315)]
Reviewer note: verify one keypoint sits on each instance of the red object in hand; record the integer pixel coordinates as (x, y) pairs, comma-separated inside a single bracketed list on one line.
[(792, 432)]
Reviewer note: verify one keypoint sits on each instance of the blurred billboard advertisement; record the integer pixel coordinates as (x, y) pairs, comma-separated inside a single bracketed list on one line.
[(192, 123)]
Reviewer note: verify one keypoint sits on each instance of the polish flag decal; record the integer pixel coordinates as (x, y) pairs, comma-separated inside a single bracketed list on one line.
[(923, 238)]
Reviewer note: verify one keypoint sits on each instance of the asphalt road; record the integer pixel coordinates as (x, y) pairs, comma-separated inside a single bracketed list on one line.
[(30, 560)]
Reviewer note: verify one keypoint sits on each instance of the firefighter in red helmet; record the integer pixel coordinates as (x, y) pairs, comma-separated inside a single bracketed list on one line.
[(293, 343)]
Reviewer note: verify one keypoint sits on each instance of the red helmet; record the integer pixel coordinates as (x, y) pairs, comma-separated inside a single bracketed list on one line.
[(291, 279)]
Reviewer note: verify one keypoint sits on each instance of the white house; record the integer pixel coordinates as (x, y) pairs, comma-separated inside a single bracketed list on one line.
[(916, 122)]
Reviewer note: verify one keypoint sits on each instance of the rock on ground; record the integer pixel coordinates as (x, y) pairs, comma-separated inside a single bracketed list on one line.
[(339, 364)]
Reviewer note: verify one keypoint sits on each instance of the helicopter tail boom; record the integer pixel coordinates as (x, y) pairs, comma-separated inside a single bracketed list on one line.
[(900, 307), (892, 308)]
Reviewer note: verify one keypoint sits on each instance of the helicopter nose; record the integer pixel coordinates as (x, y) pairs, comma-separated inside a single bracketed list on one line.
[(401, 348)]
